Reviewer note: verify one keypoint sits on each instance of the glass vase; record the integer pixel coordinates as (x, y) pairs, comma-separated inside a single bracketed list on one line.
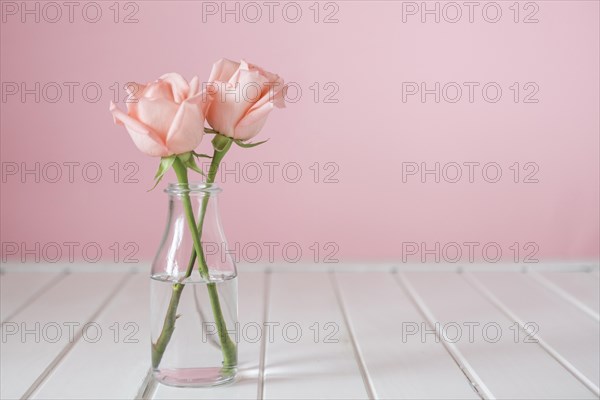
[(194, 296)]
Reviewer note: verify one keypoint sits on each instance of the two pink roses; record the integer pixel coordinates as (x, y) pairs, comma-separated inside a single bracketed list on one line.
[(167, 116)]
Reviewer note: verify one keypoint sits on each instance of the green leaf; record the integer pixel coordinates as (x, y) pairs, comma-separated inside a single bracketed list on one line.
[(241, 143), (165, 164)]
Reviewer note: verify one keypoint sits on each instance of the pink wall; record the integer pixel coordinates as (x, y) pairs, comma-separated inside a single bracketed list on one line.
[(366, 136)]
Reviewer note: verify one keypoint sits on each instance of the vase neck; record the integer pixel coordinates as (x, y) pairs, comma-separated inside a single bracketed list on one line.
[(193, 189), (177, 246)]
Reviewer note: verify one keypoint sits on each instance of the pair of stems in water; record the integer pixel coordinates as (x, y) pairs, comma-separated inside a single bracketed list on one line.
[(228, 347)]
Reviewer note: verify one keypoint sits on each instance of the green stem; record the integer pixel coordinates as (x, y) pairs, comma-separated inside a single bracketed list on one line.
[(218, 155), (182, 177), (228, 347), (158, 348)]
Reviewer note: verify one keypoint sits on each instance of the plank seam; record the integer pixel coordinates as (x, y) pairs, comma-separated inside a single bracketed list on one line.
[(369, 387), (31, 299), (548, 284), (468, 371), (263, 343), (69, 346), (478, 285)]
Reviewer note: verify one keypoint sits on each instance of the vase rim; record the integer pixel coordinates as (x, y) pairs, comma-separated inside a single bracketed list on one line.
[(192, 187)]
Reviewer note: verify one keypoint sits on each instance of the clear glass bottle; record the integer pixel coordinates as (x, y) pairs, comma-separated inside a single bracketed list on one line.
[(194, 299)]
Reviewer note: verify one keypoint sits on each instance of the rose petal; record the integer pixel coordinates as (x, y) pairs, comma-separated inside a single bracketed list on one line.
[(252, 85), (179, 86), (274, 93), (157, 114), (223, 70), (276, 86), (207, 99), (134, 92), (242, 96), (253, 122), (143, 137), (243, 66), (159, 89), (194, 86), (271, 77), (225, 110), (278, 93), (187, 129)]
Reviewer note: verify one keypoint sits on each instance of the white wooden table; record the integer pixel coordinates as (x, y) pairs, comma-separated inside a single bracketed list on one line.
[(368, 331)]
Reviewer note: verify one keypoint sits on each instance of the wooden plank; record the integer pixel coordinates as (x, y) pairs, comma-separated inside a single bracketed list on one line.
[(251, 309), (308, 366), (306, 369), (584, 287), (12, 296), (378, 310), (121, 355), (571, 337), (71, 303), (508, 364)]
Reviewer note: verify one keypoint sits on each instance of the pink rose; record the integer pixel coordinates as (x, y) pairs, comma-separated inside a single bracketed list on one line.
[(241, 97), (164, 117)]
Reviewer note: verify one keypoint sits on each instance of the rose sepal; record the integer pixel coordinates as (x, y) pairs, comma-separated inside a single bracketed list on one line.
[(165, 164), (221, 142), (187, 159), (247, 145)]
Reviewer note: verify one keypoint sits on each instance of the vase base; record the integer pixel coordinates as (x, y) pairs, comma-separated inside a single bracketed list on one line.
[(195, 377)]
